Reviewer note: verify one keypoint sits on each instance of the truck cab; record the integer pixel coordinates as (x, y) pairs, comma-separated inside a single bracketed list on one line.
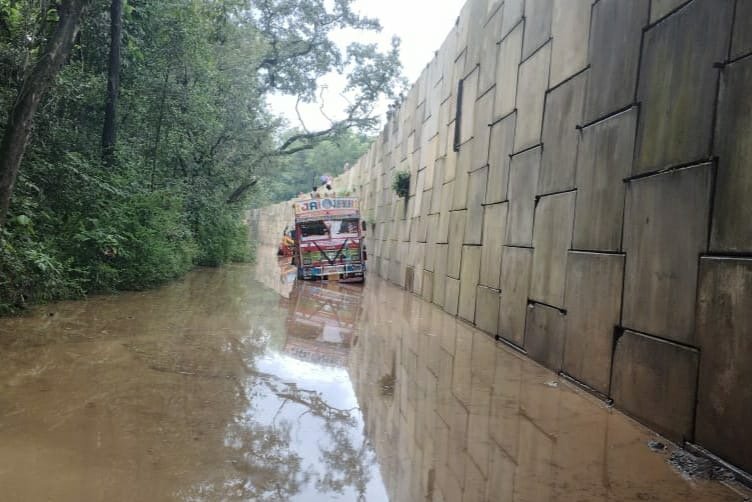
[(329, 242)]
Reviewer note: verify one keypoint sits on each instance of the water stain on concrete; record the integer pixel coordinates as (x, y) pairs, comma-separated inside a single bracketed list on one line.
[(243, 384)]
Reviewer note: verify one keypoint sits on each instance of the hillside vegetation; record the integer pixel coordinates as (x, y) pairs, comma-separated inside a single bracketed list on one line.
[(136, 133)]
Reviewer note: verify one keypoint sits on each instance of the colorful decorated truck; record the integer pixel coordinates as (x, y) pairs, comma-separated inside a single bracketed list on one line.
[(328, 239)]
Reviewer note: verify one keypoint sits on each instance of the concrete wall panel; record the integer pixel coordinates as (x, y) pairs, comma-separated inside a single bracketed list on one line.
[(491, 36), (469, 277), (655, 381), (593, 304), (523, 180), (507, 66), (476, 193), (552, 239), (439, 276), (538, 15), (533, 81), (732, 212), (563, 112), (516, 264), (487, 309), (494, 231), (544, 335), (464, 160), (660, 8), (451, 295), (724, 334), (438, 183), (469, 96), (427, 289), (512, 17), (570, 30), (482, 131), (604, 160), (502, 143), (741, 43), (456, 237), (614, 53), (666, 226), (678, 53)]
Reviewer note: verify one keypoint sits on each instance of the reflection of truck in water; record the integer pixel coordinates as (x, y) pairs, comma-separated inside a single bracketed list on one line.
[(322, 321), (328, 239)]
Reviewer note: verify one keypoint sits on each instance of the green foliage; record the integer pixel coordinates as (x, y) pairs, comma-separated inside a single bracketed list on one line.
[(197, 144), (301, 170), (401, 183)]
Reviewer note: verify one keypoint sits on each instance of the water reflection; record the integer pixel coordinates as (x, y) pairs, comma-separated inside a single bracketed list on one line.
[(322, 321), (243, 384), (195, 392), (468, 419)]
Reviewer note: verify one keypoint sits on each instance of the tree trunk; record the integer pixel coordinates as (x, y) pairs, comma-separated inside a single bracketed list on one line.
[(158, 133), (109, 132), (35, 85)]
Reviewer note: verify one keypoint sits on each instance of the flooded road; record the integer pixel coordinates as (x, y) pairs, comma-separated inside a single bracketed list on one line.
[(241, 384)]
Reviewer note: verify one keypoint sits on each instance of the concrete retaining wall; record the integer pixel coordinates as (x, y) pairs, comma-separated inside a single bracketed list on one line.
[(580, 180)]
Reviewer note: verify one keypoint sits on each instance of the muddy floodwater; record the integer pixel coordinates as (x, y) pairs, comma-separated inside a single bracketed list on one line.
[(242, 384)]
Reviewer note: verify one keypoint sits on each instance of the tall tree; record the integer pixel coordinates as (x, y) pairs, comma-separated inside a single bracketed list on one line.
[(33, 89), (109, 131)]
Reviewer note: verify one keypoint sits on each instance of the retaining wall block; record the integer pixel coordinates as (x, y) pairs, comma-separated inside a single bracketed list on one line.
[(732, 211), (451, 295), (532, 84), (614, 54), (570, 30), (593, 304), (507, 66), (741, 43), (456, 235), (552, 237), (494, 231), (439, 277), (666, 227), (544, 335), (563, 113), (538, 16), (502, 142), (724, 334), (655, 381), (659, 8), (516, 264), (604, 160), (469, 277), (487, 309), (523, 180), (476, 193), (482, 130), (678, 84)]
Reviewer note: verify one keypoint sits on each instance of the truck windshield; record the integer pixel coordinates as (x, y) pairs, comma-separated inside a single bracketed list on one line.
[(312, 230), (330, 229), (344, 228)]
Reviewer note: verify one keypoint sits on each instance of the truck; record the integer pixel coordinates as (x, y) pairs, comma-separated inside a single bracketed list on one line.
[(329, 241)]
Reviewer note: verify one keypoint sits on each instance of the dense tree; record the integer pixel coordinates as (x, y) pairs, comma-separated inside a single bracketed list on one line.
[(33, 89), (109, 131), (196, 141)]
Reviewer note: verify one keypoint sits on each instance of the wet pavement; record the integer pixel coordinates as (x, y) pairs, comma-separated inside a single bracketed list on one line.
[(243, 384)]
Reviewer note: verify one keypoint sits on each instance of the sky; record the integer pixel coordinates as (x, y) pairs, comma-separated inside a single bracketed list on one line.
[(422, 25)]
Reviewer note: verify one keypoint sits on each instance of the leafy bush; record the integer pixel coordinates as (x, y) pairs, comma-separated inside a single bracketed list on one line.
[(401, 183), (221, 237), (30, 272)]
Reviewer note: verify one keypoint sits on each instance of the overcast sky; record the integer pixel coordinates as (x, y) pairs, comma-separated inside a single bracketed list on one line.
[(422, 25)]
